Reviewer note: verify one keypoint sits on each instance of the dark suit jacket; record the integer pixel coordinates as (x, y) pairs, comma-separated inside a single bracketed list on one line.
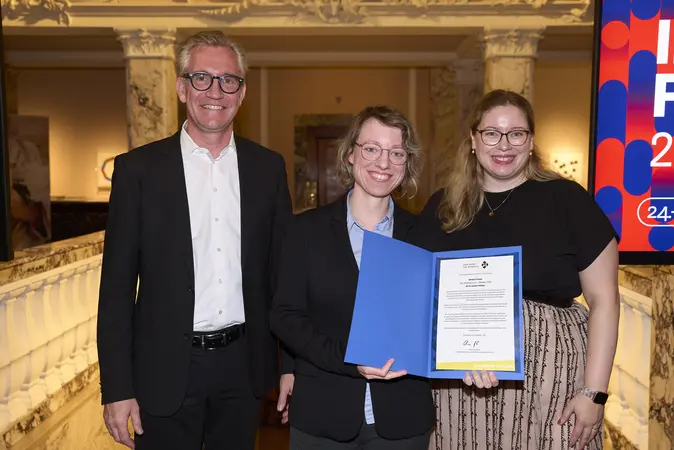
[(311, 315), (144, 343)]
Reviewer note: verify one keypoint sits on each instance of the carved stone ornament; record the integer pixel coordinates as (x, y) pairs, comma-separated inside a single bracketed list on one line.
[(348, 11), (142, 43), (327, 11), (33, 11), (578, 14), (511, 42)]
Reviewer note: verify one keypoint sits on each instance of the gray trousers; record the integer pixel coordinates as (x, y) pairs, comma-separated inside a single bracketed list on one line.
[(367, 439)]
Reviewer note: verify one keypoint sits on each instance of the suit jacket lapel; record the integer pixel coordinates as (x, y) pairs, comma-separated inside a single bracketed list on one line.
[(246, 190), (341, 233), (177, 206), (402, 222)]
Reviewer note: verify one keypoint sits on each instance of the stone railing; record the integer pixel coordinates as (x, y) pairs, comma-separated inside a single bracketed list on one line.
[(627, 409), (48, 310)]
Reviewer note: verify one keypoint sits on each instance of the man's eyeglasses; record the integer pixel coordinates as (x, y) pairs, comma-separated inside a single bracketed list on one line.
[(514, 137), (202, 81), (371, 151)]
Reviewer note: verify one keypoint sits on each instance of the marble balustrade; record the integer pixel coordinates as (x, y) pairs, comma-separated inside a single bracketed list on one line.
[(48, 311), (627, 408)]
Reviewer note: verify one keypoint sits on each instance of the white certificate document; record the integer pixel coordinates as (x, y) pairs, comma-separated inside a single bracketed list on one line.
[(475, 315)]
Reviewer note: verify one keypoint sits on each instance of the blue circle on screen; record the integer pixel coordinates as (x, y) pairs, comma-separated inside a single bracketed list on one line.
[(661, 238), (609, 199), (645, 9)]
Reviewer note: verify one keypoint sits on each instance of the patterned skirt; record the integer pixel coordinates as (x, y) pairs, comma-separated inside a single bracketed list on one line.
[(521, 415)]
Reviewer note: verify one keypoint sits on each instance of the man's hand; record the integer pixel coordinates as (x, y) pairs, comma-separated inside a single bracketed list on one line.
[(285, 392), (116, 416), (383, 373)]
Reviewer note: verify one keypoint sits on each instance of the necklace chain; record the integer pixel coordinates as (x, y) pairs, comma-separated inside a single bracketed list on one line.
[(493, 210)]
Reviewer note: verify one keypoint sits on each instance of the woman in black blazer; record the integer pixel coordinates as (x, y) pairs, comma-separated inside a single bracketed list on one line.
[(337, 405)]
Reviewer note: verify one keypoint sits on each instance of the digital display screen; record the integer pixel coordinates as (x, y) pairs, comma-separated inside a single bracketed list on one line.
[(632, 158)]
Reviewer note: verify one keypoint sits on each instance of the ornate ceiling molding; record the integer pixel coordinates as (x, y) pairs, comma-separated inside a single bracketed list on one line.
[(33, 11), (293, 13)]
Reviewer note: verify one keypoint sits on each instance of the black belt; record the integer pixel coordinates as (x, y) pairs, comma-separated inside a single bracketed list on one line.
[(209, 340)]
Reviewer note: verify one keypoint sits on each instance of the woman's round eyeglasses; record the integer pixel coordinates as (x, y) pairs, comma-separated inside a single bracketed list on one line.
[(202, 81), (371, 151)]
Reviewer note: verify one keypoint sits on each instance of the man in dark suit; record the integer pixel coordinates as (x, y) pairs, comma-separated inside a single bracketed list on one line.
[(195, 225)]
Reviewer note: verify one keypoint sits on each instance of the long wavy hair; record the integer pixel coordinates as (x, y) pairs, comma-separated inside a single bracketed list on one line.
[(463, 194)]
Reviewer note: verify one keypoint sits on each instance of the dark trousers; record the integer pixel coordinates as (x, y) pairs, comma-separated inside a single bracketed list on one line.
[(367, 439), (219, 410)]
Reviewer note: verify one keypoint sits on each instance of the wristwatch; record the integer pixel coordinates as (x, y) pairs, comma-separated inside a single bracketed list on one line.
[(596, 396)]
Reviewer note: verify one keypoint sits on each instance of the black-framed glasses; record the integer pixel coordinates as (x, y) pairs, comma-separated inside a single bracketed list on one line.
[(202, 81), (493, 137), (372, 150)]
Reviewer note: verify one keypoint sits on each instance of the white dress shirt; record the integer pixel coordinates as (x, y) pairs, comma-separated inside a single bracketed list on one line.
[(215, 219)]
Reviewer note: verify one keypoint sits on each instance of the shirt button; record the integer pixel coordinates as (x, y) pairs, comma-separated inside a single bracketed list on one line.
[(215, 189), (220, 312), (217, 220), (218, 249), (219, 281)]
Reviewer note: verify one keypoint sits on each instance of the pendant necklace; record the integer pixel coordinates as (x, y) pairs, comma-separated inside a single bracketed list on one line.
[(493, 210)]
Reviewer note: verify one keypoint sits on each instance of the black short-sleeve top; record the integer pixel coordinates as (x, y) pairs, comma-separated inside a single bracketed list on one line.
[(559, 226)]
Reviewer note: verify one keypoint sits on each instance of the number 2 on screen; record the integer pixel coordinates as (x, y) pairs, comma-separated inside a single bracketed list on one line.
[(668, 144)]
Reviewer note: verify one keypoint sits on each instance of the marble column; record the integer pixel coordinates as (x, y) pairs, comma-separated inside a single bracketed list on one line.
[(152, 104), (470, 88), (445, 124), (455, 90), (11, 89), (657, 282), (509, 56), (661, 405)]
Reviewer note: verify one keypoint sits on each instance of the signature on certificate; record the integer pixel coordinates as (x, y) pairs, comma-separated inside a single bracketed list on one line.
[(471, 344)]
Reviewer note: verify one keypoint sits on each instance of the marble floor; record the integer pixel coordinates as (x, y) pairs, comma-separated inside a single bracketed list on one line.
[(81, 428)]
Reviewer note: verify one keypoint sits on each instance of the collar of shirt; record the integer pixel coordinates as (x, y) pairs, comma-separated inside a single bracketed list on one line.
[(189, 147), (383, 226)]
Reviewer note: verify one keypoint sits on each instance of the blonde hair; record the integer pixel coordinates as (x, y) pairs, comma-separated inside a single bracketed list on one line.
[(388, 117), (209, 38), (463, 195)]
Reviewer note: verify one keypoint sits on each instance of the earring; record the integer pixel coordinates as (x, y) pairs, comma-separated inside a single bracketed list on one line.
[(473, 151), (531, 153)]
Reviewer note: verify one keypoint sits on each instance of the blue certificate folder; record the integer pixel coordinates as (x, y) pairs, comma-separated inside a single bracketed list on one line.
[(395, 313)]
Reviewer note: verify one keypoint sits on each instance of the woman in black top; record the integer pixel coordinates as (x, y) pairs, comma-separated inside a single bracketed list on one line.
[(499, 194)]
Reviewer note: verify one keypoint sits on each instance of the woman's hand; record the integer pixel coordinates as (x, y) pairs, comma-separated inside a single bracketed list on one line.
[(383, 373), (481, 380), (587, 421)]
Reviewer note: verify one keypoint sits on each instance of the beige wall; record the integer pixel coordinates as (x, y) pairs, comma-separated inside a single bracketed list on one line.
[(87, 114), (293, 92), (562, 97), (87, 111)]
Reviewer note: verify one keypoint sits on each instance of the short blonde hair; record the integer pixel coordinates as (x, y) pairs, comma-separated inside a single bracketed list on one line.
[(389, 117), (209, 38)]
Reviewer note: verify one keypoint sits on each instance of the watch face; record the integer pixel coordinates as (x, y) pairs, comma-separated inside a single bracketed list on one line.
[(600, 398)]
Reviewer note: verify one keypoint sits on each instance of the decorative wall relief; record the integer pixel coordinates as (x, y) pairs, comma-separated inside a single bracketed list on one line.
[(33, 11), (28, 148)]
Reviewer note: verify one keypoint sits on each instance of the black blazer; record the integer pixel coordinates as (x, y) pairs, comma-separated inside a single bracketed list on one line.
[(144, 343), (311, 315)]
